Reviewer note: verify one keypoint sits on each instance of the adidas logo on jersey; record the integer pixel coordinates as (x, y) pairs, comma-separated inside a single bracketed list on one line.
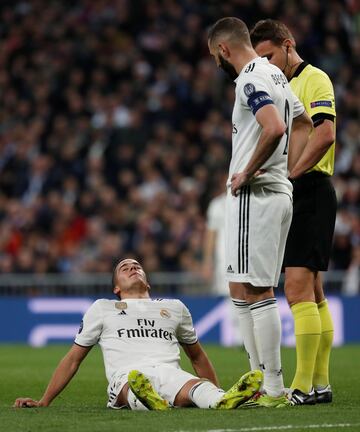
[(122, 313), (229, 269)]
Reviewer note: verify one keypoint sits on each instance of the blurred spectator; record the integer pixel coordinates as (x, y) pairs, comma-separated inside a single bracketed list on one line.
[(113, 121)]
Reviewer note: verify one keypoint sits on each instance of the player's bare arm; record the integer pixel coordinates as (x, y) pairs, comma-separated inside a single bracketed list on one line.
[(63, 374), (201, 362), (273, 128), (300, 132), (318, 144)]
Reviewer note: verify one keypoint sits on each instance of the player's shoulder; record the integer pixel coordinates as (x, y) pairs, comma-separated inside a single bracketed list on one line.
[(314, 74), (170, 301), (104, 303), (255, 69), (259, 74)]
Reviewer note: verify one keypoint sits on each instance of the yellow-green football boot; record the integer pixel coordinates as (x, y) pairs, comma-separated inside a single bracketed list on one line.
[(241, 391), (263, 400), (145, 392)]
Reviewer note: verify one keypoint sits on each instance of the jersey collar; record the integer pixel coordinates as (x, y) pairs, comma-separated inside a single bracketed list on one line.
[(256, 59), (299, 69)]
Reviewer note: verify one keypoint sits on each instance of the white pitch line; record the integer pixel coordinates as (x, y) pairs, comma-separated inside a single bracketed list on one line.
[(284, 427)]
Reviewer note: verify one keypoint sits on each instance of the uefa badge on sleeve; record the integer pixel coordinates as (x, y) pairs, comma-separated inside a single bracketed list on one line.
[(249, 89)]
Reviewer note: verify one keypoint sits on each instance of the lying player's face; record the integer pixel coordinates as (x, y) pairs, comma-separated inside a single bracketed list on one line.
[(277, 55), (130, 272)]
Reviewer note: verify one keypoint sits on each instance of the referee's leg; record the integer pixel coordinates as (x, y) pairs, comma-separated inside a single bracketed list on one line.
[(299, 290), (321, 372)]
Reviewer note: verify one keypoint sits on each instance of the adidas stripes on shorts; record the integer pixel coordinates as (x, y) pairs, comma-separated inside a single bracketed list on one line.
[(256, 227)]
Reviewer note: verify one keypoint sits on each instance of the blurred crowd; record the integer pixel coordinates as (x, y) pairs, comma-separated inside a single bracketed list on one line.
[(115, 127)]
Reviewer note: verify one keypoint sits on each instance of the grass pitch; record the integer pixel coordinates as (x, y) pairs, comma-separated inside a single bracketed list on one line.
[(25, 371)]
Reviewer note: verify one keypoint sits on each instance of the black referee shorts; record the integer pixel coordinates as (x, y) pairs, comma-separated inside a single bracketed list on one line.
[(312, 227)]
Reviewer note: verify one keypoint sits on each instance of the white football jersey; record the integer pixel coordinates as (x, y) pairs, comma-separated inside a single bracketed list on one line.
[(258, 84), (137, 332)]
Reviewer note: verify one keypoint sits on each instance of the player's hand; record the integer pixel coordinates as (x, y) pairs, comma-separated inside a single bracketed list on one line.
[(26, 403), (259, 172), (241, 179), (237, 181)]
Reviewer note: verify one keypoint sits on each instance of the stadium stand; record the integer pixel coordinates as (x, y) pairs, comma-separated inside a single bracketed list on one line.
[(114, 129)]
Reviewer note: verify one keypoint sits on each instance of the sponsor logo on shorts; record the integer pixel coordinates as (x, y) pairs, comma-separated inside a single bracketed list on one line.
[(229, 269)]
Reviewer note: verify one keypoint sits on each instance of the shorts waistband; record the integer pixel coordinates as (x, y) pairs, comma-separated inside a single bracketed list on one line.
[(313, 175)]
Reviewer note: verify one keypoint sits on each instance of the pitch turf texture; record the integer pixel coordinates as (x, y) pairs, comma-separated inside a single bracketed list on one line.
[(25, 371)]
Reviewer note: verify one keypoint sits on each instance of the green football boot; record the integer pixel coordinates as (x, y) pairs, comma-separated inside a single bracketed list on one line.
[(263, 400), (145, 392), (241, 391)]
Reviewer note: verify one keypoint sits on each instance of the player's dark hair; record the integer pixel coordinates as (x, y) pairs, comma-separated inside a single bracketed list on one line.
[(230, 27), (270, 30)]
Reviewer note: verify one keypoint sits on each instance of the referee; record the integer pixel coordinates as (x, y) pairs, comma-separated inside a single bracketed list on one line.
[(309, 241)]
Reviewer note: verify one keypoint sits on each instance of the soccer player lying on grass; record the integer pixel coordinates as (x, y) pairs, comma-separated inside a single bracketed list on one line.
[(140, 339)]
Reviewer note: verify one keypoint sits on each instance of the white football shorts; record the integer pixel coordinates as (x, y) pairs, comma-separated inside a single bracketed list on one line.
[(166, 380), (257, 223)]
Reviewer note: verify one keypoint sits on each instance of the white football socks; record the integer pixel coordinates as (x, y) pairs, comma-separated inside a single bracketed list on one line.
[(246, 324), (205, 394), (267, 331)]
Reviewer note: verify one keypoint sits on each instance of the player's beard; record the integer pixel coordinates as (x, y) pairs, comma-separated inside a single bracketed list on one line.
[(228, 68)]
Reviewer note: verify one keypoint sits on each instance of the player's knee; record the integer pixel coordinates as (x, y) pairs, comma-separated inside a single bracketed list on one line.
[(254, 293), (299, 287), (182, 399), (237, 290)]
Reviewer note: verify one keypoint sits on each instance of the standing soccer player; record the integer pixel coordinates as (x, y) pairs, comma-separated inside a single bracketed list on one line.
[(309, 242), (259, 195)]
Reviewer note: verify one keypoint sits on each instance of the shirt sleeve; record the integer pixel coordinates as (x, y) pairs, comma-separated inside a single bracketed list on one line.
[(186, 333), (298, 107), (319, 95), (90, 327), (254, 93)]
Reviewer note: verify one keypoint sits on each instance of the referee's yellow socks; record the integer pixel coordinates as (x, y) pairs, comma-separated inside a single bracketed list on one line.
[(307, 333), (321, 372)]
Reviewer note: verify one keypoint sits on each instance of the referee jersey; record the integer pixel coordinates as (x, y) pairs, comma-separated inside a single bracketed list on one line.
[(314, 89)]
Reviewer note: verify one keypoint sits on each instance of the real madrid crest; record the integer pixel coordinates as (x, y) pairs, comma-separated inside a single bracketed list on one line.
[(165, 313), (121, 305)]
